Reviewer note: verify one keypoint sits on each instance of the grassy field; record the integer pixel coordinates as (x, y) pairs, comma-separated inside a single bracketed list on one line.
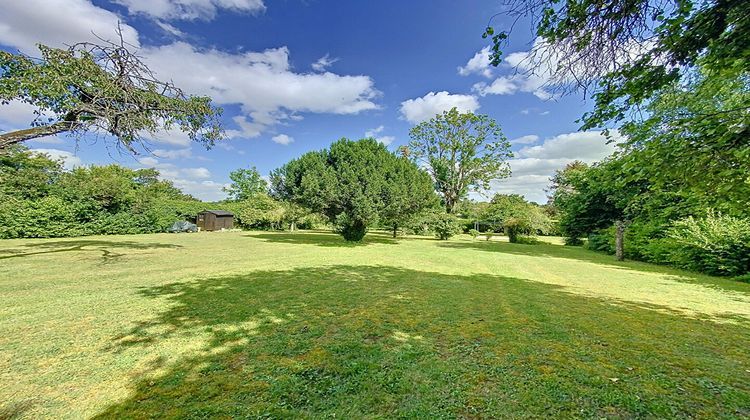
[(251, 324)]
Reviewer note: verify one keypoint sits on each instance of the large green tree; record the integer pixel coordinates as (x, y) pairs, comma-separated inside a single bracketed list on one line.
[(461, 151), (102, 89), (355, 184)]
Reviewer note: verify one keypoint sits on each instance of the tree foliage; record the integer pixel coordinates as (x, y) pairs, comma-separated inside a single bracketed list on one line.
[(101, 89), (516, 216), (627, 51), (355, 184), (246, 184), (461, 151)]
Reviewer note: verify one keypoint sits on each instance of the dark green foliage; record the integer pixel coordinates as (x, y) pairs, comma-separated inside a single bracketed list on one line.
[(40, 200), (356, 185), (474, 233), (445, 226)]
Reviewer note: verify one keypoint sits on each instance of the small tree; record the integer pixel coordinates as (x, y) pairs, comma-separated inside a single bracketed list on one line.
[(461, 151), (246, 183), (445, 226), (100, 88), (517, 216)]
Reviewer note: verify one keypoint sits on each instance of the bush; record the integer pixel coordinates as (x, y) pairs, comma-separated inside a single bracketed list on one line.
[(573, 241), (527, 240), (716, 244), (351, 229), (445, 226), (489, 234), (474, 233)]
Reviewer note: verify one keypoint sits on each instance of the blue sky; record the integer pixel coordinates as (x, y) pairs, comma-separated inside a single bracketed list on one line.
[(295, 75)]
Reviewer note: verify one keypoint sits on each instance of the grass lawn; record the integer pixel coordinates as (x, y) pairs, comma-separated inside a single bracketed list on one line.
[(251, 324)]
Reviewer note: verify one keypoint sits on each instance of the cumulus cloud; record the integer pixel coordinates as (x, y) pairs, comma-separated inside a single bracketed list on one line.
[(262, 83), (422, 109), (190, 9), (528, 139), (196, 173), (69, 160), (323, 63), (534, 165), (375, 134), (193, 181), (58, 23), (282, 139), (478, 64)]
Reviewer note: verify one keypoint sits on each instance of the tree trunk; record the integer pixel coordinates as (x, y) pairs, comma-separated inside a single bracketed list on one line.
[(18, 136), (395, 229), (619, 233)]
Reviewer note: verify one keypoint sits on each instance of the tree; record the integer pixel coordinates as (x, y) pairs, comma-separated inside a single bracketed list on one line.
[(101, 89), (461, 151), (627, 51), (409, 190), (517, 216), (355, 184), (246, 184)]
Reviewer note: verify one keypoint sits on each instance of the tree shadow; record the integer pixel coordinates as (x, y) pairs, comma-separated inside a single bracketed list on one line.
[(609, 261), (359, 341), (324, 239), (85, 245)]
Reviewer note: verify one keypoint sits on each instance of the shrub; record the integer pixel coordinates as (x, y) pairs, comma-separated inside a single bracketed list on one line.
[(445, 226), (527, 240), (351, 229), (573, 241), (474, 233), (715, 244), (489, 234)]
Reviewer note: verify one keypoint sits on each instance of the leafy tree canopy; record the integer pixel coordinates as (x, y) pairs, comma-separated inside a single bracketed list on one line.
[(104, 89), (629, 50), (355, 184), (246, 183), (517, 216), (461, 151)]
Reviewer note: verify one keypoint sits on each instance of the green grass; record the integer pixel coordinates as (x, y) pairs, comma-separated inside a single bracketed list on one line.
[(305, 325)]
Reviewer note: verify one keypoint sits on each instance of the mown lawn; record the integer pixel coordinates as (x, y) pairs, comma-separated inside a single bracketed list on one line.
[(250, 324)]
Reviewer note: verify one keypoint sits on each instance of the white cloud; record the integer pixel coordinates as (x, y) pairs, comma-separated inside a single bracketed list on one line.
[(375, 134), (170, 29), (534, 165), (323, 63), (528, 139), (262, 83), (196, 173), (57, 23), (282, 139), (479, 64), (173, 153), (70, 160), (422, 109), (190, 9), (541, 70), (148, 161)]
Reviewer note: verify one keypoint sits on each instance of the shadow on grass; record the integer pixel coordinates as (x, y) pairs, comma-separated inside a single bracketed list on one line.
[(107, 248), (325, 239), (354, 341)]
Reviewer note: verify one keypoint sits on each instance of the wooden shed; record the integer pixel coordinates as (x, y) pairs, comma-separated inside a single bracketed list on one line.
[(215, 220)]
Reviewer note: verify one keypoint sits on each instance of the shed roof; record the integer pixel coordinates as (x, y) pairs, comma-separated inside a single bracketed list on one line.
[(219, 212)]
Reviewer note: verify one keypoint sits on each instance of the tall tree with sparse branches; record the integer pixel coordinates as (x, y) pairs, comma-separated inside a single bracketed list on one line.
[(102, 88), (461, 151)]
